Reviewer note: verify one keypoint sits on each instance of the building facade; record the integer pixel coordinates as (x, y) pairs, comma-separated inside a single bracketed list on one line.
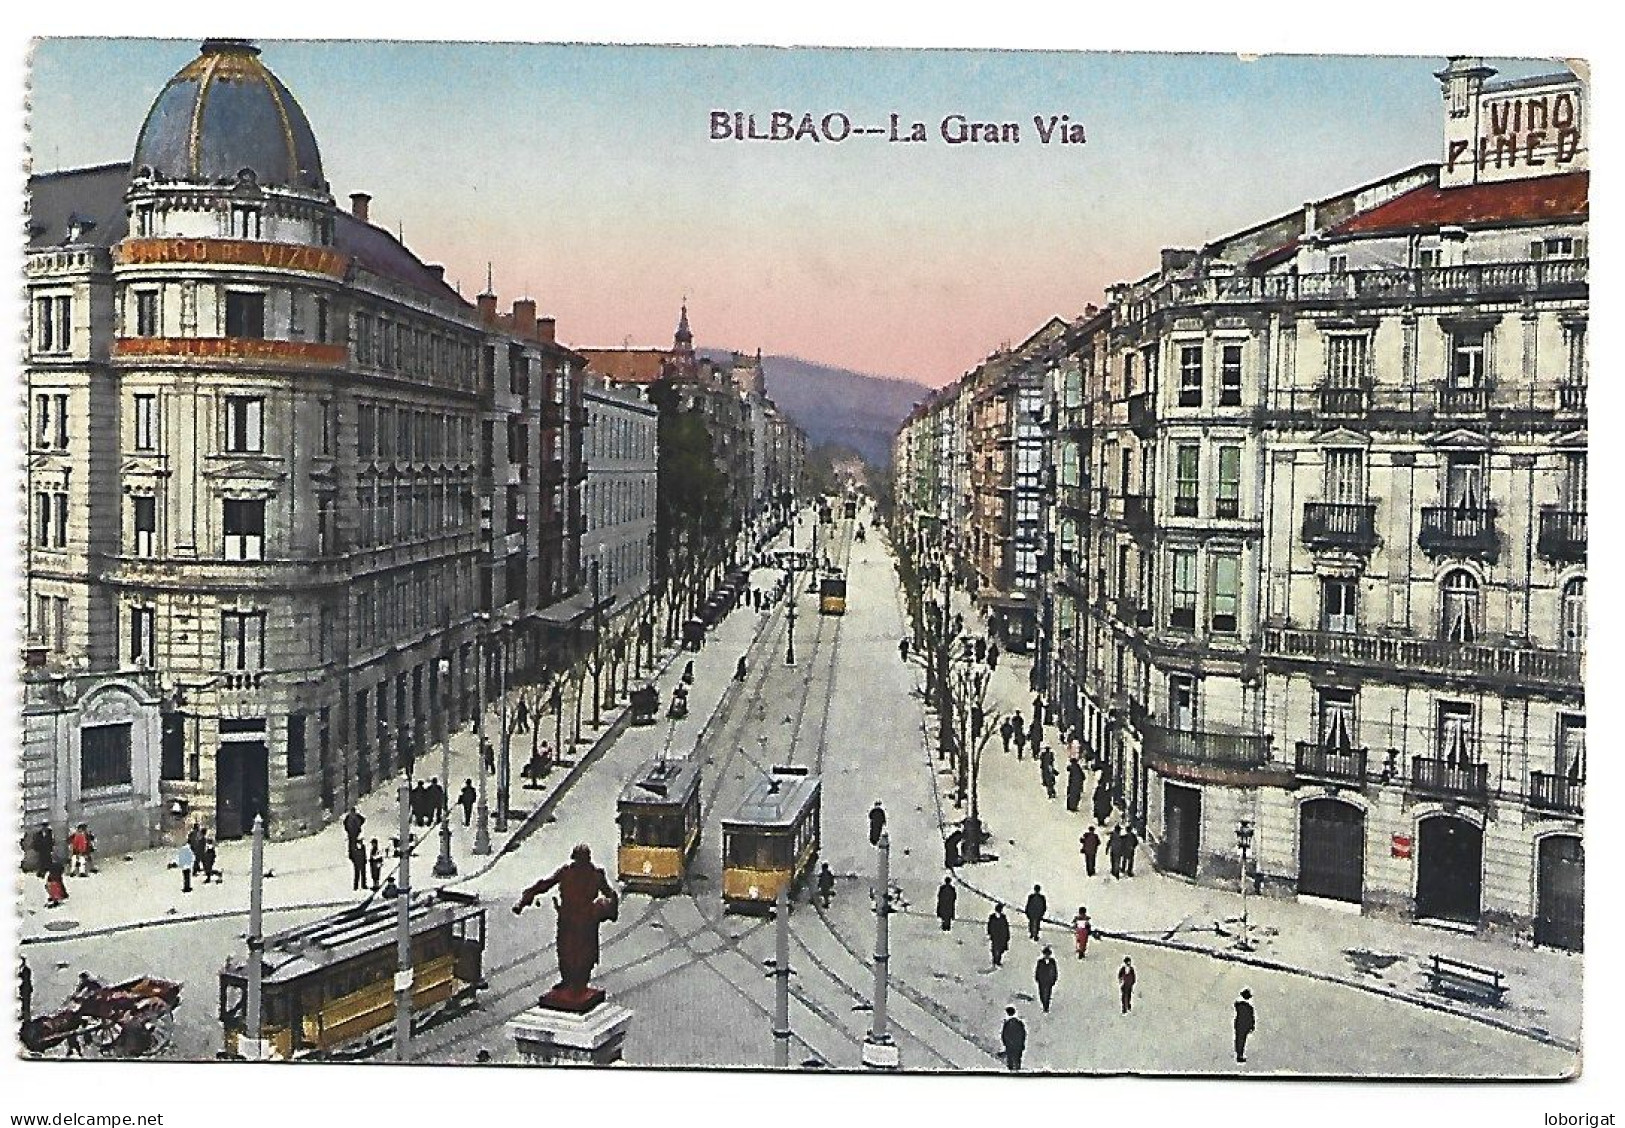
[(623, 454)]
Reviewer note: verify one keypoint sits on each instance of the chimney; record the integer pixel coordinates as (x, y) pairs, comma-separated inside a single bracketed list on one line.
[(1309, 217), (524, 318), (437, 270), (358, 205), (1175, 258), (487, 305), (545, 329)]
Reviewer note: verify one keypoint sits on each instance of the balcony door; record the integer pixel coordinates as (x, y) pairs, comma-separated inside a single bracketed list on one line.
[(1464, 486), (1345, 476), (1337, 719)]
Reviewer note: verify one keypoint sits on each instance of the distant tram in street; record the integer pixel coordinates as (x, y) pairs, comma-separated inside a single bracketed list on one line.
[(659, 817), (328, 987), (832, 594), (771, 841)]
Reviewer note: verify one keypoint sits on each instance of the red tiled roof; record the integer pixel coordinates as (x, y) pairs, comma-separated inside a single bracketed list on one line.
[(1547, 198), (626, 366)]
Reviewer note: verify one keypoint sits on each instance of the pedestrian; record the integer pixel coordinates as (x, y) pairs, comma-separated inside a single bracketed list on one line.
[(1102, 801), (1045, 974), (902, 649), (739, 669), (79, 852), (1246, 1022), (353, 822), (56, 890), (465, 800), (998, 934), (1046, 772), (419, 802), (1125, 984), (1004, 734), (981, 650), (1081, 927), (826, 885), (194, 839), (1074, 784), (1128, 846), (688, 673), (1014, 1036), (358, 865), (952, 848), (1090, 845), (185, 859), (1036, 904), (947, 895), (1114, 851), (375, 864), (25, 989), (1035, 735), (438, 805), (1020, 735), (207, 861), (877, 823), (390, 890), (992, 655)]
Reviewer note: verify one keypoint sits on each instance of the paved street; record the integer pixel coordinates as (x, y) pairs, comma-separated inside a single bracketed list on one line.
[(698, 979)]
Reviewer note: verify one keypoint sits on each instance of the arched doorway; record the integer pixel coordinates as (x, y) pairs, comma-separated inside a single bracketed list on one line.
[(1449, 869), (1331, 850), (1560, 893)]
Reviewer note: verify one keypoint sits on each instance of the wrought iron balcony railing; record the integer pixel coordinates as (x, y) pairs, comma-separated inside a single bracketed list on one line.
[(1440, 777), (1335, 524), (1319, 761)]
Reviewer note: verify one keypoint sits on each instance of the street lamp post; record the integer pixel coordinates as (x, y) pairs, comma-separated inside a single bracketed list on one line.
[(597, 641), (443, 865), (482, 823), (790, 637), (1244, 842)]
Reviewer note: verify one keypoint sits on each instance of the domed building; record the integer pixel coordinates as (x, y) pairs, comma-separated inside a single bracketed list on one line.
[(265, 444)]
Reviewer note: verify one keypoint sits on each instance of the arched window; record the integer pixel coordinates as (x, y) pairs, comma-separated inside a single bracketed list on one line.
[(1460, 621), (1573, 617)]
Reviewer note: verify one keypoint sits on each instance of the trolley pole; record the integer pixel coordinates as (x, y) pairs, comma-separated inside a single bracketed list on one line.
[(781, 975), (444, 866), (482, 814), (502, 746), (403, 930), (879, 1051), (250, 1045)]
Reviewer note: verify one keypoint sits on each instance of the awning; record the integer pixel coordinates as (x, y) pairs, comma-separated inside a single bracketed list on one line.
[(572, 612)]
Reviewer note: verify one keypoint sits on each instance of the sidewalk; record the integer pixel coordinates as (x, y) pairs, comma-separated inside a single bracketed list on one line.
[(143, 889), (1036, 840)]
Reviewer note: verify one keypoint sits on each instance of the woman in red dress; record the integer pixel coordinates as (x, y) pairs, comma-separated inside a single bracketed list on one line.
[(56, 890)]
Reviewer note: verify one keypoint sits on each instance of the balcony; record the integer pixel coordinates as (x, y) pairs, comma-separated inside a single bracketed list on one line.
[(1350, 526), (1452, 401), (1142, 415), (1216, 749), (1137, 513), (1562, 535), (1458, 530), (1551, 792), (1345, 403), (1074, 498), (1317, 761), (1521, 666), (1571, 398), (1433, 776)]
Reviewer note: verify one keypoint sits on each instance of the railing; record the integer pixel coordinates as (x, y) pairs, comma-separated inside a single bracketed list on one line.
[(1319, 761), (1462, 401), (1562, 534), (1336, 524), (1552, 792), (1520, 665), (1521, 401), (1226, 749), (1344, 402), (1142, 415), (1458, 530), (1074, 498), (1571, 398), (1442, 777)]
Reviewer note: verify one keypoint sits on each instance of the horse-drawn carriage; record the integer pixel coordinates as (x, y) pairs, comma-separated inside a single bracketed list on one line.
[(645, 702), (131, 1019)]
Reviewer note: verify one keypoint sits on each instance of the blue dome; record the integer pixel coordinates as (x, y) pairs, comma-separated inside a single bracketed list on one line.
[(225, 112)]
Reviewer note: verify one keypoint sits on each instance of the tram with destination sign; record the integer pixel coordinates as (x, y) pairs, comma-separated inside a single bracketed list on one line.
[(771, 840), (659, 816)]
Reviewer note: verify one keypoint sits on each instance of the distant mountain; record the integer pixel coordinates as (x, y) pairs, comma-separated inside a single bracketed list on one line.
[(837, 405)]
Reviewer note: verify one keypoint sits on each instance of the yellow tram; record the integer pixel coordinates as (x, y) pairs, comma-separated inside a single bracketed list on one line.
[(328, 987), (771, 842), (832, 594), (659, 816)]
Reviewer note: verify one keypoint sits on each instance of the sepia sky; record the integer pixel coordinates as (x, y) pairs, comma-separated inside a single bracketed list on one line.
[(587, 177)]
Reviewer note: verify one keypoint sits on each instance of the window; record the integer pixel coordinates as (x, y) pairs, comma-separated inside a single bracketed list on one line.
[(1338, 596), (1345, 475), (1226, 593), (244, 524), (1187, 471), (146, 313), (1182, 702), (146, 421), (1182, 613), (1575, 334), (172, 747), (1337, 264), (242, 640), (1336, 719), (104, 757), (53, 323), (245, 313), (144, 516), (325, 540), (245, 424), (1572, 488), (1467, 349), (51, 421), (50, 624), (322, 326), (1460, 602), (1571, 747), (51, 526), (143, 635), (1230, 376), (1558, 246), (296, 745), (1573, 616), (1227, 503), (1346, 358), (1464, 482), (1427, 258), (144, 227), (324, 427), (1190, 376), (245, 221), (366, 430), (1456, 744)]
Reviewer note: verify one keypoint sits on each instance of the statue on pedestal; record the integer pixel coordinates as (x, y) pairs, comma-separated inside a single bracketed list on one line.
[(585, 901)]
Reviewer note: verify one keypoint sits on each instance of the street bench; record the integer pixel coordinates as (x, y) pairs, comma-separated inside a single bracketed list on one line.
[(1465, 981)]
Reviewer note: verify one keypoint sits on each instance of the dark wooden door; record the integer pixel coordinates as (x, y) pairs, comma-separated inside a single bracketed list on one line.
[(1449, 869), (1331, 850), (1560, 912), (1182, 821)]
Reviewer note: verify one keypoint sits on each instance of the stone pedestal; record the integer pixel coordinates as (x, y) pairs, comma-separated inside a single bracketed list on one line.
[(546, 1035), (881, 1055)]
